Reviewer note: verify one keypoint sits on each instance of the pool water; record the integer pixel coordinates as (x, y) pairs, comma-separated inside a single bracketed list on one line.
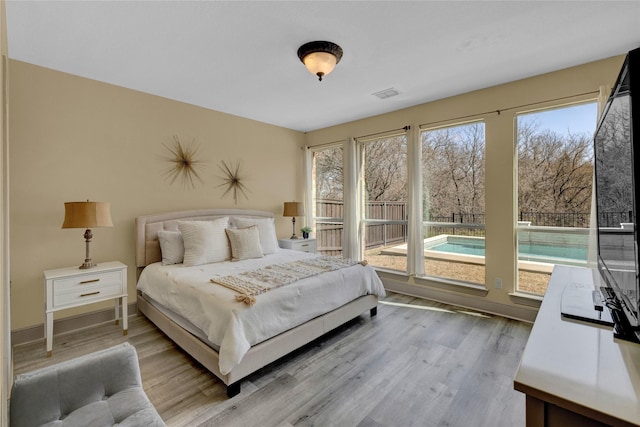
[(525, 251), (470, 248)]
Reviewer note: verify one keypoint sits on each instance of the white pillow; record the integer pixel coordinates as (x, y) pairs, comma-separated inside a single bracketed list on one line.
[(245, 243), (205, 241), (171, 246), (266, 230)]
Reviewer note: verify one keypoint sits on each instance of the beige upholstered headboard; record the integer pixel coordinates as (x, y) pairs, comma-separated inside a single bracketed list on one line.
[(147, 227)]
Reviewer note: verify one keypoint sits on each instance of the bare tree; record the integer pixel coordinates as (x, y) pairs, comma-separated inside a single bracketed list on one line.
[(327, 173), (453, 170), (386, 169), (554, 171)]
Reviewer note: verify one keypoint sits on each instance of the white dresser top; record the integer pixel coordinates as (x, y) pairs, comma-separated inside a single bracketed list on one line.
[(578, 365), (76, 271)]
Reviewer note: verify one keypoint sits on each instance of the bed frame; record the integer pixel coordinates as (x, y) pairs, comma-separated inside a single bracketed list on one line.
[(258, 356)]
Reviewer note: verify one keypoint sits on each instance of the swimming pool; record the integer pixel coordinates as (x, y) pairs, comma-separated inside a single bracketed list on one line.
[(526, 251)]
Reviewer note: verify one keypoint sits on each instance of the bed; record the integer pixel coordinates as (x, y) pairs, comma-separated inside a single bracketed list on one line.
[(200, 303)]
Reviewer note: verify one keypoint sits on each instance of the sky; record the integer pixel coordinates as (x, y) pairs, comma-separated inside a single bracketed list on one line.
[(575, 119)]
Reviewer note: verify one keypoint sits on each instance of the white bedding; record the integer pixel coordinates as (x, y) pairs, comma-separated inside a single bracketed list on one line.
[(233, 325)]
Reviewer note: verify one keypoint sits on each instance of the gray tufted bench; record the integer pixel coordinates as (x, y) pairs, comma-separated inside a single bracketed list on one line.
[(99, 389)]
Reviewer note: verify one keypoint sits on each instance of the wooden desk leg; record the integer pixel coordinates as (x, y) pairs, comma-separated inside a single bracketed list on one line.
[(117, 307), (125, 319), (535, 412), (48, 324)]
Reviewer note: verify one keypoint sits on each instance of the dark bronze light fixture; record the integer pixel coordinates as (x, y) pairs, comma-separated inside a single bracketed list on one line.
[(320, 57)]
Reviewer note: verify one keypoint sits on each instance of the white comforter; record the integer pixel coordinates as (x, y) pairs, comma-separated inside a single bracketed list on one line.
[(233, 325)]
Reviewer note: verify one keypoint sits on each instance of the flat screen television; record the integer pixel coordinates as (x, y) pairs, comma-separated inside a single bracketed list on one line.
[(617, 158)]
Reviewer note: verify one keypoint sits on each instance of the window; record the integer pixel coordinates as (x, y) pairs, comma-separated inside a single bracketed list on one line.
[(384, 210), (453, 202), (555, 172), (328, 200)]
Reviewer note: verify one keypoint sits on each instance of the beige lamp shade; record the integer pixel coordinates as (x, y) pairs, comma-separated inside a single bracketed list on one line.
[(87, 215), (293, 209)]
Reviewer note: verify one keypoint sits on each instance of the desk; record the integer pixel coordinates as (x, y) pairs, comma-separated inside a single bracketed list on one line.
[(575, 373)]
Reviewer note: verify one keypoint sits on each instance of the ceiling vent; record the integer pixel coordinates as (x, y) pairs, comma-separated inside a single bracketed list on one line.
[(387, 93)]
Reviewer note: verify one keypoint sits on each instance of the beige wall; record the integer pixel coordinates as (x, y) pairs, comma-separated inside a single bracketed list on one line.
[(76, 139), (557, 88)]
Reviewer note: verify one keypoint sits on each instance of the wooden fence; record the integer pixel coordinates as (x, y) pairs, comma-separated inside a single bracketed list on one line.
[(329, 230), (329, 226)]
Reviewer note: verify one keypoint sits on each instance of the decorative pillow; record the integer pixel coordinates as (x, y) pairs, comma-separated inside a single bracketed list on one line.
[(205, 241), (266, 230), (245, 243), (171, 246)]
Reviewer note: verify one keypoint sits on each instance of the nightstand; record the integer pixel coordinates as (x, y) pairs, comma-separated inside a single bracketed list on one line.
[(72, 287), (302, 245)]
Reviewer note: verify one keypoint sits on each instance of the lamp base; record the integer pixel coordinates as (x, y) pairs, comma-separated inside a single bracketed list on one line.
[(87, 259), (87, 264), (293, 223)]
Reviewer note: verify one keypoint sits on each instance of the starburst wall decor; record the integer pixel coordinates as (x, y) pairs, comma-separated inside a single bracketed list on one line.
[(184, 163), (232, 181)]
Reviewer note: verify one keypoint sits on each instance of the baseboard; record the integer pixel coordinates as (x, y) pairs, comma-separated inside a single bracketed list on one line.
[(68, 324)]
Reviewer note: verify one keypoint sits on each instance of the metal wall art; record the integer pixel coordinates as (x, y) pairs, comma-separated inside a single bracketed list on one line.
[(232, 181), (183, 163)]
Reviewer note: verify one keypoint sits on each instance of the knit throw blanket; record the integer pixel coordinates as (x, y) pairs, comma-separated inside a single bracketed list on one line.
[(256, 282)]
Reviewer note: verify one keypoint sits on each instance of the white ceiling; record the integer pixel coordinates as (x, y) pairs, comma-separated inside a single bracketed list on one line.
[(239, 57)]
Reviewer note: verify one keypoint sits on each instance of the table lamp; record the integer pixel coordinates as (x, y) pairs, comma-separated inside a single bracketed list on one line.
[(293, 209), (87, 215)]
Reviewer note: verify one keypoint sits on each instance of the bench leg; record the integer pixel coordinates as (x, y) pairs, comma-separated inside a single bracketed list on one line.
[(373, 311)]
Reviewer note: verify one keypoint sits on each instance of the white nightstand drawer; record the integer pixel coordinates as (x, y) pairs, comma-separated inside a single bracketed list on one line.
[(86, 294), (306, 246), (86, 281), (302, 245)]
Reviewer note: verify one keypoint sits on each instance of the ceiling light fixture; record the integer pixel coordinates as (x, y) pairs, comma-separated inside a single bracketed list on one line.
[(320, 57)]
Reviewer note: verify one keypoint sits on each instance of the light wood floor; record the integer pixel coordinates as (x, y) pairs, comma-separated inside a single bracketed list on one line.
[(418, 363)]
